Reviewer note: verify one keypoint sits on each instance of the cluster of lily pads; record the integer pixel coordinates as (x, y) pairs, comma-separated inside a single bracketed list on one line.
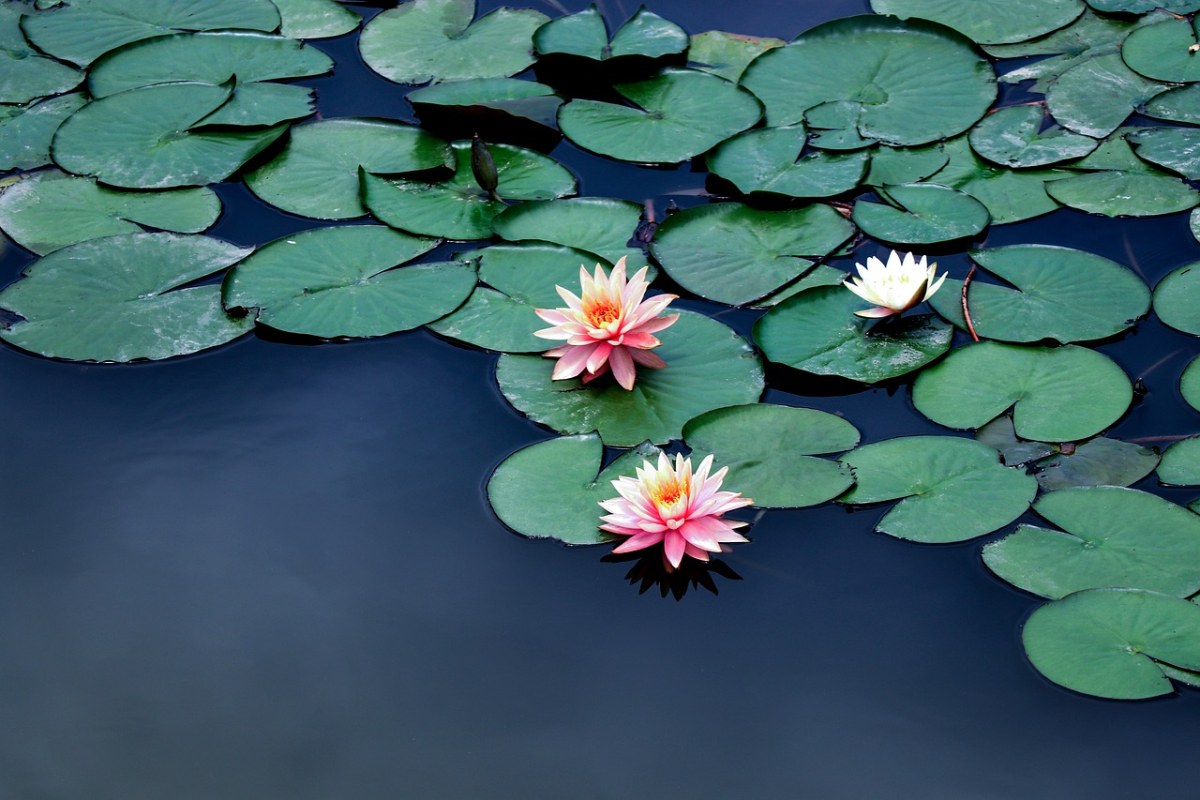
[(113, 125)]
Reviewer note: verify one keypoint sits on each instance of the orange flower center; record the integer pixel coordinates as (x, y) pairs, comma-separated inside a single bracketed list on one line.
[(666, 494), (602, 312)]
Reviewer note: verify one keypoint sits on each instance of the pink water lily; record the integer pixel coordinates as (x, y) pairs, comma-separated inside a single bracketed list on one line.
[(673, 505), (609, 326), (895, 286)]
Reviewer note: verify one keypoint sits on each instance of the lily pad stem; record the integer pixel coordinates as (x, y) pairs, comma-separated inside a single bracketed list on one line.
[(966, 311)]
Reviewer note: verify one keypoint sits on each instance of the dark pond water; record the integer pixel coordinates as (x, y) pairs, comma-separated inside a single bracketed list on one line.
[(270, 571)]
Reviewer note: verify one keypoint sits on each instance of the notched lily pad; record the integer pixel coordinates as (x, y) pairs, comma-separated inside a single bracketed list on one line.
[(26, 131), (1015, 137), (585, 35), (1164, 51), (921, 213), (1115, 193), (1177, 149), (1010, 195), (315, 19), (769, 160), (26, 74), (598, 225)]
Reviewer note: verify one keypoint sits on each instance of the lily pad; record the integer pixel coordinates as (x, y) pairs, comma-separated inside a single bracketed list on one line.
[(727, 55), (1189, 384), (884, 67), (26, 74), (816, 331), (1181, 463), (315, 19), (772, 448), (459, 208), (551, 489), (1115, 193), (49, 210), (989, 23), (894, 165), (344, 281), (1113, 537), (1176, 105), (678, 114), (1058, 293), (736, 254), (708, 366), (435, 40), (514, 280), (1061, 394), (1177, 149), (1142, 6), (1163, 51), (1014, 137), (768, 160), (1177, 299), (151, 138), (935, 478), (1009, 195), (83, 30), (503, 97), (1097, 462), (1114, 643), (120, 299), (26, 131), (1096, 96), (596, 224), (317, 174), (921, 213), (585, 35)]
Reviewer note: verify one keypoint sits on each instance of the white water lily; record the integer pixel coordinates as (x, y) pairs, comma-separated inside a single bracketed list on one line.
[(893, 287)]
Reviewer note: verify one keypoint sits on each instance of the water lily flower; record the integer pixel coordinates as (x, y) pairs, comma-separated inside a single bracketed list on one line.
[(895, 286), (673, 505), (608, 327)]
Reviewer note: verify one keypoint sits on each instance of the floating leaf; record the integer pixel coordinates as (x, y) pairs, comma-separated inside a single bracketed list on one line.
[(708, 366), (884, 68), (990, 23), (26, 131), (1009, 195), (1096, 462), (1099, 94), (596, 224), (119, 299), (344, 281), (816, 331), (936, 478), (315, 19), (150, 138), (1177, 149), (768, 160), (1058, 293), (551, 489), (675, 115), (771, 449), (1162, 51), (434, 40), (1181, 463), (1176, 105), (49, 210), (316, 175), (736, 254), (505, 97), (1115, 643), (1114, 193), (1177, 299), (893, 165), (921, 213), (727, 55), (1189, 384), (1061, 394), (1014, 137), (1142, 6), (585, 35), (25, 74), (1113, 537)]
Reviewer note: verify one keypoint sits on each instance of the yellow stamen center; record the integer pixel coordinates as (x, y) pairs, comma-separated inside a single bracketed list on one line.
[(602, 312), (667, 493)]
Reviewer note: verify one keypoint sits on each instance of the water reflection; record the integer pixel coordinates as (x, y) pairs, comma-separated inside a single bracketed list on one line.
[(648, 570)]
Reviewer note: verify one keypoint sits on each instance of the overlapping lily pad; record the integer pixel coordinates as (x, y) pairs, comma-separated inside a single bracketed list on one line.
[(768, 160), (989, 23), (435, 40), (727, 55), (1177, 149), (1009, 195), (921, 213), (1058, 293), (1097, 95), (50, 210), (119, 299), (315, 19), (816, 331), (678, 114), (935, 478), (1115, 643), (1181, 463), (1177, 299), (772, 448), (504, 98), (708, 366), (347, 281), (1097, 462), (26, 74), (585, 35), (26, 131), (1058, 394), (736, 254), (1014, 137), (1113, 537), (1142, 6), (1162, 51), (317, 174), (598, 225), (1115, 193), (1176, 105), (552, 489), (895, 165)]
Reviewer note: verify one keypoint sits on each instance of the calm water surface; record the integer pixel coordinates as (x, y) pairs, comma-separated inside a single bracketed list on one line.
[(270, 571)]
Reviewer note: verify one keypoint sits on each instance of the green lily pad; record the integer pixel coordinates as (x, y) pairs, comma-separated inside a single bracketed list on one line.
[(459, 208), (26, 74), (1113, 154), (1181, 463), (1177, 149), (935, 478), (1058, 293), (1014, 452), (150, 138), (1014, 137), (344, 281), (1176, 105), (816, 331), (1113, 537), (119, 299), (507, 98), (317, 174), (315, 19), (1097, 462), (1114, 643), (1142, 6), (921, 213), (1162, 51), (882, 66), (551, 489), (768, 160), (989, 23), (49, 210), (1114, 193), (772, 448), (736, 254), (1009, 195), (585, 35), (435, 40), (708, 366), (26, 131), (83, 30), (595, 224), (1177, 299), (514, 280), (678, 114), (1189, 383), (1096, 96), (727, 55), (894, 165)]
